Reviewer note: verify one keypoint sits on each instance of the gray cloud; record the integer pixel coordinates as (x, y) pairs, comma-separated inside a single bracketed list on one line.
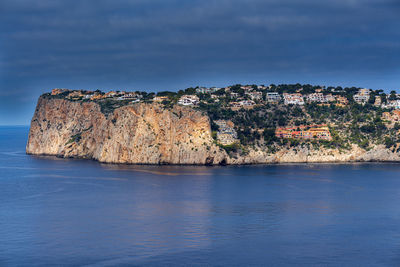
[(158, 44)]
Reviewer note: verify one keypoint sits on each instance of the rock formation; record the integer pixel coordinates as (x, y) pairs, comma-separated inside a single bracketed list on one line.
[(148, 133), (139, 133)]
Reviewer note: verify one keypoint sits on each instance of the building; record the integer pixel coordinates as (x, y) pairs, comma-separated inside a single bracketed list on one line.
[(364, 91), (378, 101), (396, 115), (273, 97), (234, 95), (362, 96), (235, 106), (392, 104), (129, 96), (188, 100), (206, 90), (75, 95), (226, 134), (320, 98), (254, 95), (111, 94), (97, 96), (247, 88), (341, 100), (160, 98), (247, 104), (329, 98), (361, 99), (215, 89), (393, 116), (386, 116), (88, 96), (294, 99), (320, 132), (215, 98)]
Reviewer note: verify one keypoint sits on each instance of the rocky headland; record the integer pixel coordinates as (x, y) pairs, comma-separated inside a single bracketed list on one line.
[(153, 133)]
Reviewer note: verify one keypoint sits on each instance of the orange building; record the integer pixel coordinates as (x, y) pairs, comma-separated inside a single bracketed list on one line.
[(341, 101), (304, 132), (394, 116)]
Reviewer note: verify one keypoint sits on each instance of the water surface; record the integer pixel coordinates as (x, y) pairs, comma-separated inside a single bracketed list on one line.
[(83, 213)]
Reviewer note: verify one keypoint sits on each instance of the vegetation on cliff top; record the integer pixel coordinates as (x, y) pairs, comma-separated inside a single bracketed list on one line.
[(255, 121)]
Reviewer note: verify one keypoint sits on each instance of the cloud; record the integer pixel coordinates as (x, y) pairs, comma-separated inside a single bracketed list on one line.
[(157, 43)]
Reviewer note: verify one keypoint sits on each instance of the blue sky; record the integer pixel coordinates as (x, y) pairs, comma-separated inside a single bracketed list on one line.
[(157, 45)]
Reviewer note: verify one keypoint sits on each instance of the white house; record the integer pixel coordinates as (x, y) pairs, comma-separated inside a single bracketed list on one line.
[(254, 95), (247, 88), (234, 95), (392, 104), (226, 134), (206, 90), (320, 97), (294, 99), (188, 100), (273, 97), (247, 103), (130, 96), (362, 96)]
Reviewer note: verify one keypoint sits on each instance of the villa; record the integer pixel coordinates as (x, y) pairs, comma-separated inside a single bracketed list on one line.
[(130, 96), (378, 101), (188, 100), (393, 116), (304, 132), (247, 104), (160, 98), (362, 96), (294, 99), (226, 134), (247, 88), (254, 95), (320, 97), (342, 101), (206, 90), (273, 97), (392, 104)]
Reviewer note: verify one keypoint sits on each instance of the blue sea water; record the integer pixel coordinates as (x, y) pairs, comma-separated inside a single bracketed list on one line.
[(83, 213)]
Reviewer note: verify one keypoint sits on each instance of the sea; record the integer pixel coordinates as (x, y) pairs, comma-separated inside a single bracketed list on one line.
[(66, 212)]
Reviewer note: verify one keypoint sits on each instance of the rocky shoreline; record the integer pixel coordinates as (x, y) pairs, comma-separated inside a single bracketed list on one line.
[(148, 133)]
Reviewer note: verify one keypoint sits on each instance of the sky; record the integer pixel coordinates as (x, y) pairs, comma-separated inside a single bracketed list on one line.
[(155, 45)]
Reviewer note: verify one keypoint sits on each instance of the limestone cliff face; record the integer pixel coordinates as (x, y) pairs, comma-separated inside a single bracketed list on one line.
[(305, 155), (150, 134), (138, 134)]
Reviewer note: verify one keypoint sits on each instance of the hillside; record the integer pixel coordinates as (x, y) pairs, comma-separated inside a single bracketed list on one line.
[(233, 125)]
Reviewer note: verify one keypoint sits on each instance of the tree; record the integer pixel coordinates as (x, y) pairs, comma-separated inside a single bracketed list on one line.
[(190, 91), (392, 95), (389, 142), (281, 121), (383, 98), (371, 99)]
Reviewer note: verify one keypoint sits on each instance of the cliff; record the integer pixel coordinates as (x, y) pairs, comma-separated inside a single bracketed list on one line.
[(139, 133), (144, 133)]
